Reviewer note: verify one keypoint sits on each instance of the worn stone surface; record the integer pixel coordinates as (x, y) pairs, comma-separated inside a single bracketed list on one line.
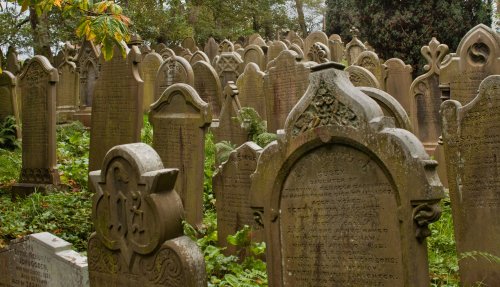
[(227, 65), (199, 56), (251, 89), (284, 85), (137, 216), (361, 77), (117, 106), (477, 56), (173, 70), (12, 63), (398, 79), (150, 65), (189, 43), (319, 53), (295, 39), (315, 37), (68, 92), (208, 87), (275, 49), (180, 119), (336, 49), (470, 135), (211, 49), (370, 61), (37, 82), (254, 54), (166, 53), (295, 48), (345, 198), (228, 128), (88, 67), (354, 47), (231, 186), (42, 259), (8, 97), (226, 46)]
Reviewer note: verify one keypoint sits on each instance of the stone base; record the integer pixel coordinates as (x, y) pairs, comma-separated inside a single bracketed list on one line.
[(25, 189), (84, 117)]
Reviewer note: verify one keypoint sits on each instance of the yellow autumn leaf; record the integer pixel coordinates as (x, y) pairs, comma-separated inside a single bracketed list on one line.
[(57, 3)]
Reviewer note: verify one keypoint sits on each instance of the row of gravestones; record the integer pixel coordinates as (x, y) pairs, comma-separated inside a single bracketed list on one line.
[(180, 108)]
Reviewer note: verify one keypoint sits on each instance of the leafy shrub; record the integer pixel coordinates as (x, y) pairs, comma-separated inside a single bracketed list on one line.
[(8, 134), (256, 126), (147, 131)]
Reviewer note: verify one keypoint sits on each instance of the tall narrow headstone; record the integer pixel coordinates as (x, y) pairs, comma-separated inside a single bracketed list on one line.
[(172, 71), (68, 88), (117, 105), (398, 80), (251, 89), (149, 68), (354, 47), (8, 97), (345, 198), (254, 54), (87, 65), (180, 119), (336, 50), (232, 186), (12, 64), (37, 83), (471, 142), (211, 49), (137, 215), (208, 87)]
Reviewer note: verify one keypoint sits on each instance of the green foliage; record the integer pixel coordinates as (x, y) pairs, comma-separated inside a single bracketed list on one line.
[(73, 155), (256, 127), (8, 134), (10, 166), (209, 169), (147, 131), (480, 254), (223, 149)]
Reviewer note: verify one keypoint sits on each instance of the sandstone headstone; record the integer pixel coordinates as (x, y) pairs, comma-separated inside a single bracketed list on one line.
[(149, 68), (42, 259), (319, 53), (259, 42), (37, 82), (172, 71), (137, 216), (68, 88), (59, 58), (87, 65), (211, 49), (159, 47), (8, 97), (166, 53), (295, 39), (470, 135), (370, 61), (478, 56), (345, 198), (298, 50), (226, 46), (231, 186), (275, 49), (361, 77), (254, 54), (117, 106), (208, 87), (354, 47), (227, 67), (199, 56), (189, 43), (251, 89), (315, 37), (336, 49), (12, 64), (252, 38), (180, 119)]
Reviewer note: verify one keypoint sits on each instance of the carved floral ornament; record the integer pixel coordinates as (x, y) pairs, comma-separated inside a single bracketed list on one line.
[(319, 53)]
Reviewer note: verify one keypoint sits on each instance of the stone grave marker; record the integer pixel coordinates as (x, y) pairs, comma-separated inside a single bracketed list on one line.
[(361, 77), (284, 85), (315, 37), (259, 42), (59, 58), (166, 53), (231, 186), (295, 39), (68, 88), (208, 87), (37, 83), (398, 79), (252, 38), (275, 49), (228, 67), (42, 259), (319, 53), (470, 136), (159, 47), (370, 61), (149, 68), (189, 43), (137, 216), (354, 47), (228, 128), (8, 98), (117, 106), (180, 119), (226, 46), (199, 56), (254, 54), (251, 89), (477, 56), (172, 71), (12, 64), (88, 67), (211, 49), (336, 49), (345, 198), (298, 50)]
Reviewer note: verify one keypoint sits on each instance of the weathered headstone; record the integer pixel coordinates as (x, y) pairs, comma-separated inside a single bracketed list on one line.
[(254, 54), (117, 106), (295, 39), (227, 67), (172, 71), (319, 53), (8, 97), (345, 198), (354, 47), (199, 56), (229, 128), (12, 64), (231, 186), (37, 82), (159, 47), (315, 37), (208, 87), (398, 78), (189, 43), (42, 259), (336, 49), (478, 56), (180, 119), (166, 53), (471, 142), (211, 49), (137, 216), (68, 88), (295, 48), (284, 85), (370, 61), (275, 49), (149, 68), (87, 65), (361, 77), (251, 89), (226, 46)]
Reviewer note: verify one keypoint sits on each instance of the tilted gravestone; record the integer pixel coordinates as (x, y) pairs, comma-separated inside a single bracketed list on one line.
[(398, 80), (87, 65), (172, 71), (284, 85), (37, 83), (471, 142), (231, 186), (294, 38), (180, 119), (361, 77), (8, 98), (117, 105), (149, 68), (208, 87), (477, 56), (137, 216), (251, 89), (42, 259), (345, 198), (68, 88)]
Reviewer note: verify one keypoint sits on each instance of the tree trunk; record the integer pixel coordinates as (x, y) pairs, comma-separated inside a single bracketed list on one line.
[(40, 32), (300, 13)]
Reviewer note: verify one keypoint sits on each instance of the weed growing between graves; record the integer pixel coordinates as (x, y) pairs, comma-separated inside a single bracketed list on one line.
[(8, 132)]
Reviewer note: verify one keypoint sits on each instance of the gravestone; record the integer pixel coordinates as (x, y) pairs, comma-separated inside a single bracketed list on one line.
[(398, 78), (354, 47), (370, 61), (254, 54), (336, 49), (208, 87), (59, 58), (361, 77), (189, 43), (319, 53), (345, 198), (227, 67), (12, 63), (117, 106), (251, 89), (42, 259), (211, 49), (477, 56), (390, 107), (275, 49), (149, 68), (295, 48), (295, 39), (470, 136), (259, 42), (37, 83), (87, 65), (231, 185), (228, 128), (8, 98), (68, 88), (426, 97), (137, 216), (159, 47), (172, 71), (180, 119), (199, 56), (226, 46), (284, 85), (166, 53), (314, 37)]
